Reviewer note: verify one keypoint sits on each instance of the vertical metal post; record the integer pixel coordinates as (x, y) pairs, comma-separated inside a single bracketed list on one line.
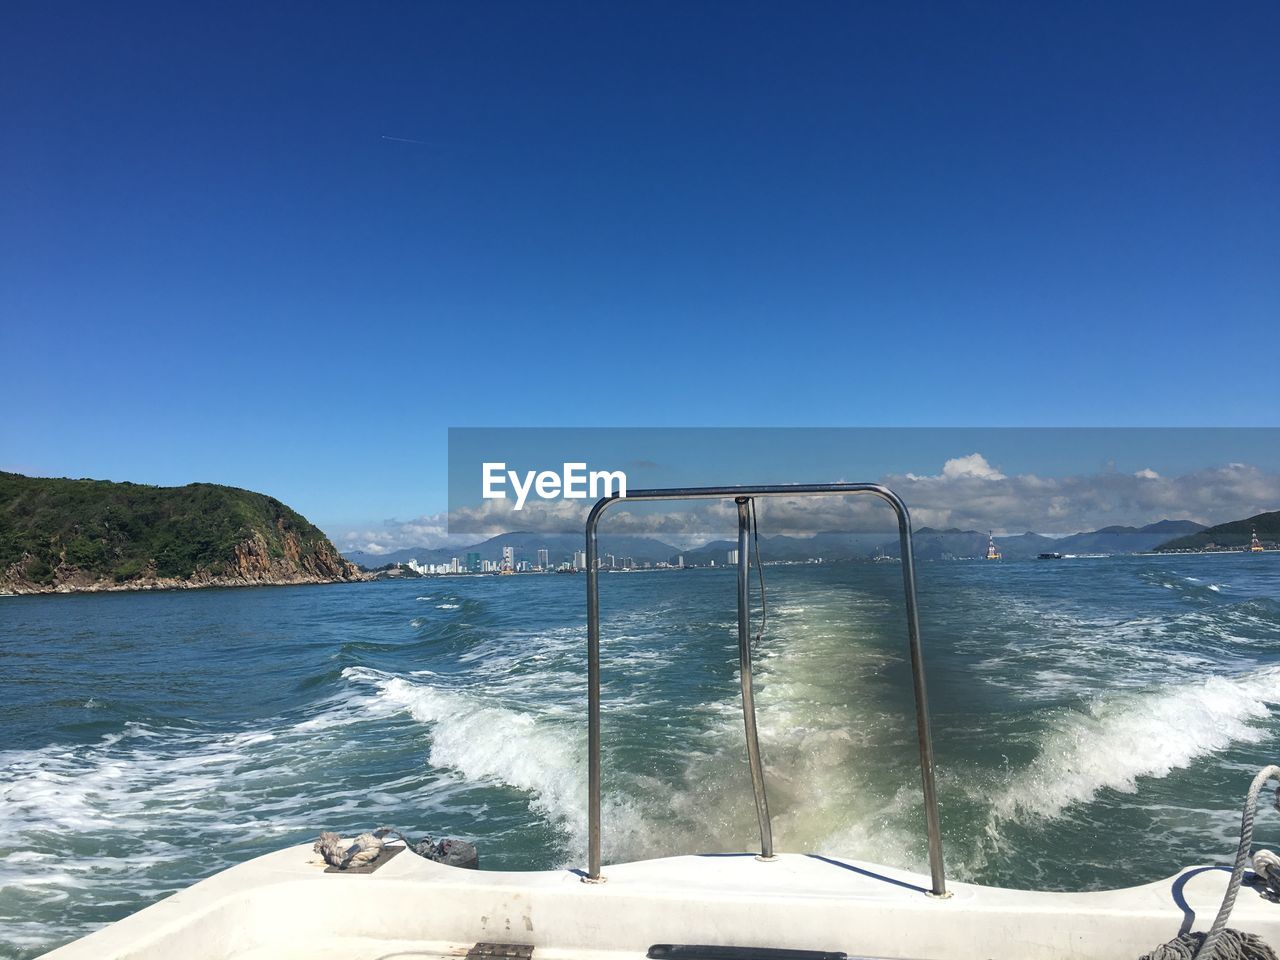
[(923, 736), (593, 698), (748, 694)]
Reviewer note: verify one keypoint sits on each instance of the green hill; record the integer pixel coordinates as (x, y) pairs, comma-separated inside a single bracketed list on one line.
[(1227, 535), (65, 535)]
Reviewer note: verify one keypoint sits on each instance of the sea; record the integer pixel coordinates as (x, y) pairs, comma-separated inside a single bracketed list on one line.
[(1096, 723)]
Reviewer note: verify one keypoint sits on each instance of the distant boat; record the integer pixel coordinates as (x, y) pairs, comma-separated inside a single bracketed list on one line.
[(992, 552), (1255, 545), (1050, 556)]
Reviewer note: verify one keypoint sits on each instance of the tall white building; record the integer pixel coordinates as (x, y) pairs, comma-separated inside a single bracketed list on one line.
[(508, 558), (733, 558), (579, 560), (544, 558)]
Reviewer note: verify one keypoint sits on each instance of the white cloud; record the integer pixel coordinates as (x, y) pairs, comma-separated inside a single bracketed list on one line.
[(1088, 501), (968, 493), (974, 465), (425, 531)]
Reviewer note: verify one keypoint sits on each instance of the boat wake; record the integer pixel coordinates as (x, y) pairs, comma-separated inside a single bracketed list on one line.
[(1084, 738)]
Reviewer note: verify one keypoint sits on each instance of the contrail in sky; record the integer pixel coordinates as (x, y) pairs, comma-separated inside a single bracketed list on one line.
[(403, 140)]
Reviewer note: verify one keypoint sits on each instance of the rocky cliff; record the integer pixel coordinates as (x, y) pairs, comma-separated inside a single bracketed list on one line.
[(61, 536)]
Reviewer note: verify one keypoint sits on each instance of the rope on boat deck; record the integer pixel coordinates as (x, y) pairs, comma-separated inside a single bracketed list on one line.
[(368, 847), (1221, 943)]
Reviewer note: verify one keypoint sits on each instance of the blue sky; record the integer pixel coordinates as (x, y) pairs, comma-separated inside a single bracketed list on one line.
[(215, 265)]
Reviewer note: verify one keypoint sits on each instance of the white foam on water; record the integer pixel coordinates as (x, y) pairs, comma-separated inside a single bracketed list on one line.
[(151, 808), (542, 754), (133, 817), (822, 739), (101, 786), (487, 742), (1123, 738), (448, 606), (26, 856), (1059, 654)]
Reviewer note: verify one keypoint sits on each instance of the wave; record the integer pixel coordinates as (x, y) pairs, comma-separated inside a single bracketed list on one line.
[(487, 742), (1119, 740), (1186, 587), (541, 755), (1063, 653)]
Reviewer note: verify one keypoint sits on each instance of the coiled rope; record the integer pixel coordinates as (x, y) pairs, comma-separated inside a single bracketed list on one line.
[(368, 847), (1221, 943)]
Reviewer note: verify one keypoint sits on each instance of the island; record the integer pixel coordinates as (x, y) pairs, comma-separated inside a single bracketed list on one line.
[(66, 536), (1259, 533)]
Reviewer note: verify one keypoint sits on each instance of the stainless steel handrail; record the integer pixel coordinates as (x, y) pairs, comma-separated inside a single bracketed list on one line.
[(742, 494), (748, 691)]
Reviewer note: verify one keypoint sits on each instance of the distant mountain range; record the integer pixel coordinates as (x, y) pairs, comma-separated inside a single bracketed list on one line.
[(1128, 539), (930, 544), (828, 546), (938, 544)]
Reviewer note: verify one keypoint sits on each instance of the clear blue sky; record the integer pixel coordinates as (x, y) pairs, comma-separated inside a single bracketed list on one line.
[(214, 265)]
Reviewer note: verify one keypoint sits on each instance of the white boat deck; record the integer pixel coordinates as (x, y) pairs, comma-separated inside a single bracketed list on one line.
[(284, 905)]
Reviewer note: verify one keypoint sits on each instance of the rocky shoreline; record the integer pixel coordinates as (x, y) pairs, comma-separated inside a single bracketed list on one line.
[(252, 566), (167, 583)]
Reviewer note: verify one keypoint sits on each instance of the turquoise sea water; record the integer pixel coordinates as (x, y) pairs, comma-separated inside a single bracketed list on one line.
[(1096, 723)]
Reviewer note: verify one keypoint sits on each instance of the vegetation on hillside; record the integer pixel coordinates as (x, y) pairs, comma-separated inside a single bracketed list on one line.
[(120, 532), (1234, 534)]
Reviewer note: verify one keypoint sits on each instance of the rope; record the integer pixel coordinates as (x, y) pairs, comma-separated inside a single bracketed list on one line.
[(1267, 866), (365, 849), (368, 847), (1231, 945), (1220, 943), (1206, 950)]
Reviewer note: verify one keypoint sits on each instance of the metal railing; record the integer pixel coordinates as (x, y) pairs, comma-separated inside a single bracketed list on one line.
[(743, 496)]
